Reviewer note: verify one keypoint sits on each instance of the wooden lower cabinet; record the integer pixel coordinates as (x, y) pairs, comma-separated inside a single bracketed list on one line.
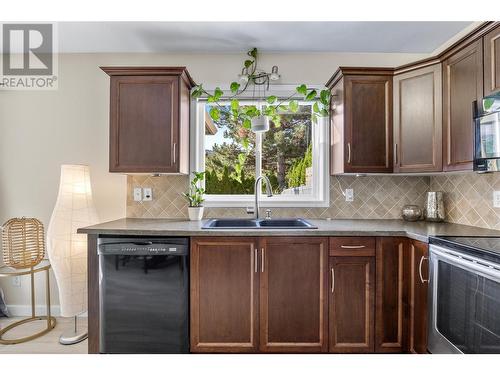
[(287, 295), (352, 304), (418, 285), (293, 294), (231, 277), (391, 295), (224, 294)]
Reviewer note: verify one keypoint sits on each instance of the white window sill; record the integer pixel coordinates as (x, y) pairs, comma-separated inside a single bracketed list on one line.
[(249, 201)]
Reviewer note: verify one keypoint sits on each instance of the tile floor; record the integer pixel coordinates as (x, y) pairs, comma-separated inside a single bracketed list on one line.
[(47, 344)]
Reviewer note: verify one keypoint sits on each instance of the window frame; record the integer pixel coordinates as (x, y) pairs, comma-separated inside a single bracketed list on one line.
[(321, 177)]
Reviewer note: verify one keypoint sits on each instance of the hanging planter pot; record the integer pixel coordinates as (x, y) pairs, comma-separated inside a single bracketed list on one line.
[(260, 124)]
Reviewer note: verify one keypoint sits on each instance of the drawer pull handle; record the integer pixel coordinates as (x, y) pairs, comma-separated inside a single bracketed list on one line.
[(352, 246), (348, 153), (420, 269)]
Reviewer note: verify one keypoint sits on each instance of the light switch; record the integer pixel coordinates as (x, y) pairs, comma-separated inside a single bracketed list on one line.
[(496, 199), (137, 194), (349, 195), (147, 194)]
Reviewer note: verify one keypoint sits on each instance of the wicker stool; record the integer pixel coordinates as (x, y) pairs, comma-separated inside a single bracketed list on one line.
[(23, 251)]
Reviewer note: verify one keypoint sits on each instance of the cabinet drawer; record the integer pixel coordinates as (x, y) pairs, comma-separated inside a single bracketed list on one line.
[(352, 246)]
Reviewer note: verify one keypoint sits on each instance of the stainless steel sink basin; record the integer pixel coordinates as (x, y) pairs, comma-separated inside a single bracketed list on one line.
[(258, 224)]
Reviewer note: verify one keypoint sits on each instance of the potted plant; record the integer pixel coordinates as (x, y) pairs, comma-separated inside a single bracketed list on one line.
[(195, 196)]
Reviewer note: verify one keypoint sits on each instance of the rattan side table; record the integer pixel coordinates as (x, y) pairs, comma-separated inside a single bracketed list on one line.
[(5, 271)]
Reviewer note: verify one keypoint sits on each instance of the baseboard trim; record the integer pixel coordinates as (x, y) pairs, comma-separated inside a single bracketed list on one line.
[(25, 310)]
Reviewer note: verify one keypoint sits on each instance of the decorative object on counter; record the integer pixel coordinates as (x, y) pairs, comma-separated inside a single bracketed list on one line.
[(195, 196), (411, 212), (67, 250), (23, 247), (434, 206)]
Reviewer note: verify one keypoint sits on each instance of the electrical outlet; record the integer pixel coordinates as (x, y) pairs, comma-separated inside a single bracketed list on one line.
[(16, 281), (349, 195), (147, 194), (496, 199), (137, 194)]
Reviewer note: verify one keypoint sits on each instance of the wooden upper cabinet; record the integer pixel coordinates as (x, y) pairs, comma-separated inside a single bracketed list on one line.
[(352, 303), (462, 85), (224, 294), (418, 120), (293, 294), (149, 119), (492, 61), (418, 288), (362, 135), (391, 295)]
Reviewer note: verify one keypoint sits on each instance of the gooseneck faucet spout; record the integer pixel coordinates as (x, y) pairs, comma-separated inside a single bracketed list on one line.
[(269, 192)]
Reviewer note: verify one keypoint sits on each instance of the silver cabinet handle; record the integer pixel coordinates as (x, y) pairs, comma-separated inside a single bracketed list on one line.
[(174, 147), (333, 280), (348, 153), (352, 246), (256, 259), (420, 269), (395, 154), (262, 261)]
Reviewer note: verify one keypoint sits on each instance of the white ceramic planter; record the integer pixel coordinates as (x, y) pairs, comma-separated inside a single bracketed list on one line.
[(195, 213)]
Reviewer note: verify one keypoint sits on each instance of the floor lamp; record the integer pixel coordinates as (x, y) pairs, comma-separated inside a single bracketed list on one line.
[(67, 250)]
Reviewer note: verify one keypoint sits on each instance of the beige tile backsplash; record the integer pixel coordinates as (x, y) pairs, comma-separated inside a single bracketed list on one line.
[(375, 197), (469, 198)]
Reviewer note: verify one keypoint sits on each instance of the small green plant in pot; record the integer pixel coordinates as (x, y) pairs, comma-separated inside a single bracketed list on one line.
[(195, 196)]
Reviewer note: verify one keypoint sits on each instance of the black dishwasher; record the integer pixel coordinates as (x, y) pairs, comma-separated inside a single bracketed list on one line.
[(144, 295)]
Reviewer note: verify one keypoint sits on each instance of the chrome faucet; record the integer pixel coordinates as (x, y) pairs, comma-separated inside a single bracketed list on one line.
[(269, 191)]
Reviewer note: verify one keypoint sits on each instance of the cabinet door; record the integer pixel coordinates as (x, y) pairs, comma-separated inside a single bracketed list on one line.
[(492, 61), (390, 325), (419, 281), (368, 124), (462, 85), (224, 295), (418, 120), (144, 124), (351, 304), (293, 294), (337, 128)]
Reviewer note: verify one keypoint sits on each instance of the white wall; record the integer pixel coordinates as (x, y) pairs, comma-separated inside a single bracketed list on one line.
[(41, 130)]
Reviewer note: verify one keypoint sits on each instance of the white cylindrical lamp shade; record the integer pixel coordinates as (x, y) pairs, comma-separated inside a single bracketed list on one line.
[(66, 249)]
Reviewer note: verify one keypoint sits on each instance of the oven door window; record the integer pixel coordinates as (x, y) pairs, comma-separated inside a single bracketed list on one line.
[(468, 312), (489, 136)]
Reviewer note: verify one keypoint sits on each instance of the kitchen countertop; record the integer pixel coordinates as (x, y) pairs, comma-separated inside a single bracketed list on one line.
[(420, 230)]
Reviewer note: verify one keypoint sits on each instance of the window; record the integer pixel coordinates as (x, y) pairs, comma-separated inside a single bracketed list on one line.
[(292, 155)]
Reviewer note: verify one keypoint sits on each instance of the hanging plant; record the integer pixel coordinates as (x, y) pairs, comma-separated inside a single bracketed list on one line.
[(243, 115)]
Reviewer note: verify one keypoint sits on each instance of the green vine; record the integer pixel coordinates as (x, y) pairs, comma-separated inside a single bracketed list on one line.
[(195, 193), (243, 115)]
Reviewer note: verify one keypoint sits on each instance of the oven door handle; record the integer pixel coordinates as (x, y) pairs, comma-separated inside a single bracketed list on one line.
[(468, 264)]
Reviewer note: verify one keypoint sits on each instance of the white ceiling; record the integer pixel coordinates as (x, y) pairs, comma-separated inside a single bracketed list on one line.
[(404, 37)]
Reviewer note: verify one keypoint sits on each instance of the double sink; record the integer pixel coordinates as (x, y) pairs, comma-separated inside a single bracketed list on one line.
[(258, 224)]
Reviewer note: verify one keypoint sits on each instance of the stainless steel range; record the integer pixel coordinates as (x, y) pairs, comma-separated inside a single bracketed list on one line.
[(464, 295)]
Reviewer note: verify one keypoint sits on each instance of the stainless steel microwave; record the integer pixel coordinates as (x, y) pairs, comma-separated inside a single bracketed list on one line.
[(487, 134)]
